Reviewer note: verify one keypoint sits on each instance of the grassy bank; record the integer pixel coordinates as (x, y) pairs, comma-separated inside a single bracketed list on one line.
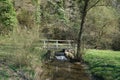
[(103, 64), (19, 57), (18, 63)]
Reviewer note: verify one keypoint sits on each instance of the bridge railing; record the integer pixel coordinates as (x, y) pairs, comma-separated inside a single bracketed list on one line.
[(57, 44)]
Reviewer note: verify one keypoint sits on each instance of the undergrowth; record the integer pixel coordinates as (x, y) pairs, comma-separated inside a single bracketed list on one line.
[(19, 57)]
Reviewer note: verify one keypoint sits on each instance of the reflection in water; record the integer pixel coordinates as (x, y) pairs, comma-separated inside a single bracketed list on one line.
[(64, 71)]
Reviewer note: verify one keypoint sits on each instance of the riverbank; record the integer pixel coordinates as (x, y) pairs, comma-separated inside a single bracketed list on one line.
[(20, 63), (103, 64), (16, 63)]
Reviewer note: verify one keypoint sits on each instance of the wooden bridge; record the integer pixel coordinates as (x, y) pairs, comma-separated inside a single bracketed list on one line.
[(57, 44)]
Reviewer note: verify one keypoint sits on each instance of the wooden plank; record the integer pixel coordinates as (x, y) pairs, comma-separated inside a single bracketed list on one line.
[(56, 40), (58, 48)]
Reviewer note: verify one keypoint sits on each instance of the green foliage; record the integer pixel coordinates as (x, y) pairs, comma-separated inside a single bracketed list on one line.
[(26, 18), (17, 59), (7, 15), (19, 53), (38, 15), (101, 26), (34, 1), (53, 11), (103, 64)]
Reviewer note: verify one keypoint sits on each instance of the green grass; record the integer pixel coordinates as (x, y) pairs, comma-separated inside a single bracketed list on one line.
[(14, 59), (18, 53), (103, 64)]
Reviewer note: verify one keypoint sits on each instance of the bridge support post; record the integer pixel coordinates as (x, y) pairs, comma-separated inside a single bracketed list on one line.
[(69, 43), (57, 44), (44, 44)]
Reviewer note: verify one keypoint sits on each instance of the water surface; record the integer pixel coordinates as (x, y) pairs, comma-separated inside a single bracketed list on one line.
[(59, 70)]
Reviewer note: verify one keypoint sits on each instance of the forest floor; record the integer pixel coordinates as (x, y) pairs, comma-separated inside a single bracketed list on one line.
[(103, 64)]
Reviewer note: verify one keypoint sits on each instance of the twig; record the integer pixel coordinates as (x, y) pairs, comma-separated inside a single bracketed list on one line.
[(94, 4)]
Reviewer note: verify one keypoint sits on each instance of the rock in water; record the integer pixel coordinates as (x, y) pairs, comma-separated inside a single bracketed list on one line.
[(62, 58)]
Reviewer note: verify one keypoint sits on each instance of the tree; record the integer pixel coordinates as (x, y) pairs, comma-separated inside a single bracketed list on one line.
[(116, 38), (100, 27), (52, 18), (83, 9), (83, 12), (87, 5)]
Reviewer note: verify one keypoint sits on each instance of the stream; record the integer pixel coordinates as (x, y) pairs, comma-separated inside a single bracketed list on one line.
[(60, 70)]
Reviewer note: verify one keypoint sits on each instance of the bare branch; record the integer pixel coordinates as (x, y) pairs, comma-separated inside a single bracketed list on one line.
[(94, 4), (102, 5)]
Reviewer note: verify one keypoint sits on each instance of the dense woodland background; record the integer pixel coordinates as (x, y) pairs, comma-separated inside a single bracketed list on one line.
[(60, 19)]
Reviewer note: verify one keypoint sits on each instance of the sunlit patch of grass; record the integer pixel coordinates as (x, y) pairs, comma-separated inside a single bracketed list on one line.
[(104, 63)]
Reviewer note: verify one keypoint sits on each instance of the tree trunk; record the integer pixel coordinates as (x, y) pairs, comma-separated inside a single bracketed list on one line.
[(83, 16)]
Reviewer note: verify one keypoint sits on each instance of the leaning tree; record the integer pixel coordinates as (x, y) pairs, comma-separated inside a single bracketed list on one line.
[(84, 7)]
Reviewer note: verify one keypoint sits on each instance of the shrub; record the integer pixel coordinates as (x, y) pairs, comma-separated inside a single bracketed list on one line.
[(116, 43), (7, 16)]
